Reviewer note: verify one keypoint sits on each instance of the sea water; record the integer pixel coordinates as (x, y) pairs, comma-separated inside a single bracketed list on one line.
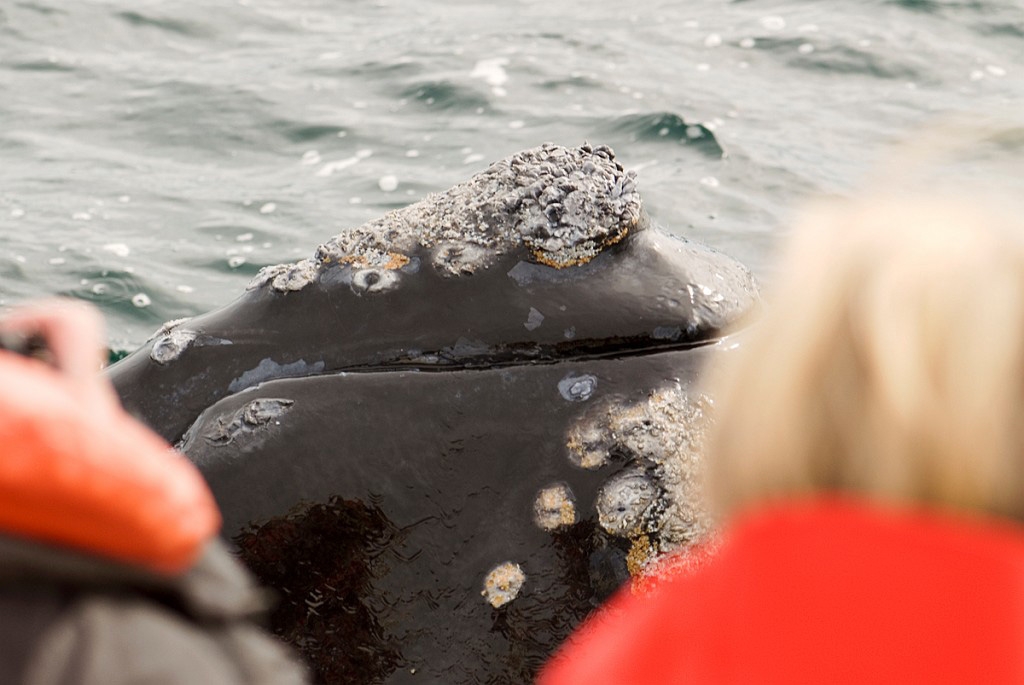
[(155, 154)]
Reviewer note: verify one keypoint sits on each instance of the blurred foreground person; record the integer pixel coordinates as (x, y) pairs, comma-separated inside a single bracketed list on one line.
[(868, 464), (110, 569)]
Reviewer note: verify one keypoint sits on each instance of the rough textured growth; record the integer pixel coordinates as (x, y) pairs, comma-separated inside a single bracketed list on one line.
[(577, 388), (171, 344), (562, 205), (555, 507), (503, 584), (656, 501), (249, 418), (628, 504), (285, 277)]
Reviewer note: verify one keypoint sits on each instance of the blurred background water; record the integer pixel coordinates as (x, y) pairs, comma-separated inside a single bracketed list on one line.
[(155, 154)]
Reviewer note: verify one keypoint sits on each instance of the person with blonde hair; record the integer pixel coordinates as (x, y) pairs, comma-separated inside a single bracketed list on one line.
[(868, 464)]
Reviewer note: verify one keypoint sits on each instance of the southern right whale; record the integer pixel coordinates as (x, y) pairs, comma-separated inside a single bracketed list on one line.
[(451, 432)]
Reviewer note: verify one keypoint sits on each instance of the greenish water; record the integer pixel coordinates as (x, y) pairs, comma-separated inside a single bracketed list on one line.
[(154, 155)]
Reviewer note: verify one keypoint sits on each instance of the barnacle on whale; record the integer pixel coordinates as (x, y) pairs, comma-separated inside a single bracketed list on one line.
[(562, 205)]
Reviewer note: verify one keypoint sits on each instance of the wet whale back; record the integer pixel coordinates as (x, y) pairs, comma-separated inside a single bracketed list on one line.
[(384, 500)]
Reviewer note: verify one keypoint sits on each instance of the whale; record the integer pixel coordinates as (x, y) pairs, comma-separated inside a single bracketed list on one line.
[(450, 433)]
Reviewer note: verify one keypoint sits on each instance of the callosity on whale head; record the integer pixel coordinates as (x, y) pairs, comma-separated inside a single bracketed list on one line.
[(544, 255), (453, 431)]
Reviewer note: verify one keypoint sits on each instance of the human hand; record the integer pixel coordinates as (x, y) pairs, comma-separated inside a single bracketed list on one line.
[(73, 340)]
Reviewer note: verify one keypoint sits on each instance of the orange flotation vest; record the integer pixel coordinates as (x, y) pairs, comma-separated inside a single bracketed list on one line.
[(97, 481)]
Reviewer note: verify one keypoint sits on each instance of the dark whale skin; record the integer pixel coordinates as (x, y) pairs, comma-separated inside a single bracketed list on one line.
[(454, 431)]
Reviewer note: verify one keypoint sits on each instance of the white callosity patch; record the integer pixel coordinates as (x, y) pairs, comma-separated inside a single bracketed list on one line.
[(533, 319), (555, 507), (662, 439), (169, 346), (268, 369), (503, 584), (628, 504), (168, 326), (373, 280), (457, 259), (577, 388), (562, 205), (588, 445), (286, 277), (251, 417)]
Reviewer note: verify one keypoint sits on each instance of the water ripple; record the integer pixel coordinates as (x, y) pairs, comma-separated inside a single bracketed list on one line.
[(445, 95), (669, 127)]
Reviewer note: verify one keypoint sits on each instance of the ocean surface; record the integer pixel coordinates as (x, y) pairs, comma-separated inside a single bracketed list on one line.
[(155, 154)]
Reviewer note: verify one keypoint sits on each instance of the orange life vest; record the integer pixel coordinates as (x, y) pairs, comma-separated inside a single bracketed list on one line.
[(94, 480)]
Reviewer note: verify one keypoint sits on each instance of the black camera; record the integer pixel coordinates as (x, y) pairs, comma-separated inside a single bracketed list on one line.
[(33, 345)]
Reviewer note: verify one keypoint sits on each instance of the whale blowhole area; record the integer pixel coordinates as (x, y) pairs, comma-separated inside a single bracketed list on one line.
[(562, 205)]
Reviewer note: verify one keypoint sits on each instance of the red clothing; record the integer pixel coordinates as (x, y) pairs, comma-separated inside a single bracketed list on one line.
[(825, 591)]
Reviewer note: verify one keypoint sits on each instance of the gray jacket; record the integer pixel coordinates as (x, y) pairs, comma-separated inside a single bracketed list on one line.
[(71, 619)]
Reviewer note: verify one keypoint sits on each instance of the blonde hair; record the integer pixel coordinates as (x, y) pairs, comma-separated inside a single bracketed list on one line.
[(890, 362)]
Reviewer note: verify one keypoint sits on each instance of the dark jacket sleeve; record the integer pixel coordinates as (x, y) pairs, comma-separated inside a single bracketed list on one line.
[(116, 641)]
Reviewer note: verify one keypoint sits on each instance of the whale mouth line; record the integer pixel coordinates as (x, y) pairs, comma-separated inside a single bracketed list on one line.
[(439, 363), (535, 356), (623, 350), (488, 359)]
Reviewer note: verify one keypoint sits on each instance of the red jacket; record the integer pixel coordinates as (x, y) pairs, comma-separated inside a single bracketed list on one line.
[(825, 591)]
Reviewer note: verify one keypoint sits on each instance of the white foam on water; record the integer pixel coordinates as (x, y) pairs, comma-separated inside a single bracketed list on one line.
[(491, 71), (342, 164), (119, 249)]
